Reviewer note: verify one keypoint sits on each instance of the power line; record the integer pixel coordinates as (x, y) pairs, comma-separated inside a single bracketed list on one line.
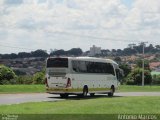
[(79, 35), (105, 38), (93, 37), (15, 47)]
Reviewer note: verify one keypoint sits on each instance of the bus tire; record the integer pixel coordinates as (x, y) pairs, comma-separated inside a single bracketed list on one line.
[(92, 94), (64, 95), (80, 95), (112, 90), (85, 91)]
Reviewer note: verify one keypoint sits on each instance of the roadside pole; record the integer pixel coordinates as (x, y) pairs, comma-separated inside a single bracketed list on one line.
[(143, 44)]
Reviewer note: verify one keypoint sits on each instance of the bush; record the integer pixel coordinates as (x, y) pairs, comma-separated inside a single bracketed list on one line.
[(156, 79), (6, 74), (126, 68), (18, 72), (130, 82), (38, 78), (136, 76), (5, 82), (26, 79)]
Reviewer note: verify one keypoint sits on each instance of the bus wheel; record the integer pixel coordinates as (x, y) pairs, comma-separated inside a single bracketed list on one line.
[(64, 95), (85, 91), (80, 95), (92, 94), (110, 94)]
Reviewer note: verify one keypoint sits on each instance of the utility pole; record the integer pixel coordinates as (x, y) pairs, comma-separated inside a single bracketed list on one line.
[(143, 46)]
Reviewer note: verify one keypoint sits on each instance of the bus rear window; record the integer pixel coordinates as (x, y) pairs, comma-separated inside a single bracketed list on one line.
[(57, 62)]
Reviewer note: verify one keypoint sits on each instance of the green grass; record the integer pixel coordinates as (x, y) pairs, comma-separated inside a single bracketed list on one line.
[(41, 88), (134, 88), (103, 105), (155, 73), (22, 88), (84, 109)]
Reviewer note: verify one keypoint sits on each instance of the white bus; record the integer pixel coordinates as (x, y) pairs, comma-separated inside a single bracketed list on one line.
[(81, 75)]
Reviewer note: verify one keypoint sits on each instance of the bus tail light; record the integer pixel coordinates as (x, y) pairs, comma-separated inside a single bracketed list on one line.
[(46, 82), (68, 83)]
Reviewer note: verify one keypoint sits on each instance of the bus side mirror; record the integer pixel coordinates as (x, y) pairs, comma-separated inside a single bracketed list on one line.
[(120, 74)]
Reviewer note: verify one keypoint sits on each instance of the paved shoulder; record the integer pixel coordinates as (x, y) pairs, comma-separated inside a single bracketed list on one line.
[(137, 94), (27, 97), (39, 97)]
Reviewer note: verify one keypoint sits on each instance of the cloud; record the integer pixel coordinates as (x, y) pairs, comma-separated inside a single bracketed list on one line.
[(13, 2), (42, 23), (145, 13)]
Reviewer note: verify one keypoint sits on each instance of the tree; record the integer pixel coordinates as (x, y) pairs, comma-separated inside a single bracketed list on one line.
[(5, 56), (105, 52), (13, 56), (156, 79), (75, 51), (39, 53), (157, 47), (149, 49), (24, 55), (146, 64), (58, 52), (129, 51), (136, 76), (119, 52), (18, 72), (113, 50), (126, 69), (6, 74), (118, 60), (139, 49)]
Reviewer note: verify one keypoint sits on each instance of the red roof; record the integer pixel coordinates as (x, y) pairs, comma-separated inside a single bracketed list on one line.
[(154, 64)]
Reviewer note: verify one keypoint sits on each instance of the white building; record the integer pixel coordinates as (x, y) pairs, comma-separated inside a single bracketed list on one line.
[(94, 50)]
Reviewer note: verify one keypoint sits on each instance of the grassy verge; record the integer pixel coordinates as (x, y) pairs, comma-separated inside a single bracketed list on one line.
[(105, 105), (41, 88), (134, 88), (22, 88)]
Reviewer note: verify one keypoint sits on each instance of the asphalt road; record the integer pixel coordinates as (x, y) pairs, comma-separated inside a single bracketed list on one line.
[(38, 97), (27, 97)]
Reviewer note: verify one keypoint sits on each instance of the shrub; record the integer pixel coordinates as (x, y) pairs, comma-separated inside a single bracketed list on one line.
[(156, 79), (136, 76), (38, 78), (6, 74), (25, 79), (130, 82)]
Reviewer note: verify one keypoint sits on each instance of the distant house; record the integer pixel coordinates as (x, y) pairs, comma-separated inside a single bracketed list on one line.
[(154, 65)]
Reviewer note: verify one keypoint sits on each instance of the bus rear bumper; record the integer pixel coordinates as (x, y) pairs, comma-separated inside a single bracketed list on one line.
[(64, 90), (76, 90)]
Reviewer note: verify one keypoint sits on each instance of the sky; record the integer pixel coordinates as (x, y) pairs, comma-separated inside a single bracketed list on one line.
[(28, 25)]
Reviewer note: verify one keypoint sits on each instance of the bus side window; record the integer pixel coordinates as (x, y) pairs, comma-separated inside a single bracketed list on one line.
[(74, 66), (119, 74)]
